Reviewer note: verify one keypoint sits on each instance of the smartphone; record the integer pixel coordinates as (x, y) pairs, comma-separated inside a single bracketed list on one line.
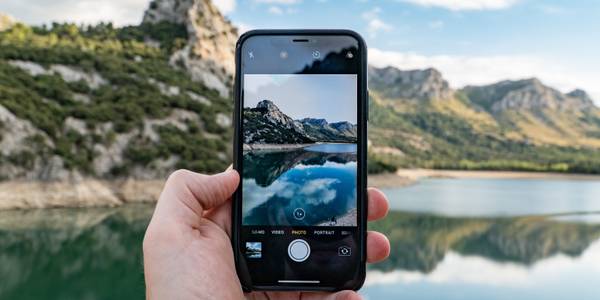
[(299, 214)]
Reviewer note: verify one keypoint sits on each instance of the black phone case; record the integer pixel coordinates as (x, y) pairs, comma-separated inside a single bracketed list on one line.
[(356, 283)]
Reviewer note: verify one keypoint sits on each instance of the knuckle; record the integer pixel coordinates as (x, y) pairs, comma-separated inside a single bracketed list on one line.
[(179, 175)]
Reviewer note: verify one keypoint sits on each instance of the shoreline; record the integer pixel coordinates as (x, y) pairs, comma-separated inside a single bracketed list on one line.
[(405, 177), (347, 219), (248, 147), (433, 173), (85, 192), (90, 192)]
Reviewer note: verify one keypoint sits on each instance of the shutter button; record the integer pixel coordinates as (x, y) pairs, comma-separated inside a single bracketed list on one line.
[(299, 250)]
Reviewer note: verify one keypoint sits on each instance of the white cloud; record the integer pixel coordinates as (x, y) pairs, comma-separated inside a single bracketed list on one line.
[(374, 23), (465, 70), (120, 12), (457, 268), (465, 4), (319, 191), (276, 10), (225, 6)]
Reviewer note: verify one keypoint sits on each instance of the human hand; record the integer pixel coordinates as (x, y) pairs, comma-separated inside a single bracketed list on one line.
[(187, 249)]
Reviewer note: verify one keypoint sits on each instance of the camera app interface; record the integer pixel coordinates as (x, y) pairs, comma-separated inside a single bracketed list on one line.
[(299, 185)]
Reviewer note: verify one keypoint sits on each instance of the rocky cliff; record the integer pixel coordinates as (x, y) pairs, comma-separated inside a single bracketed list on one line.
[(209, 55), (101, 115), (6, 21), (527, 94), (266, 124), (414, 84)]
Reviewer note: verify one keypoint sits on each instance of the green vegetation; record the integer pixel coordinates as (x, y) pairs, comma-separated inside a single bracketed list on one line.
[(430, 138), (129, 88), (132, 73)]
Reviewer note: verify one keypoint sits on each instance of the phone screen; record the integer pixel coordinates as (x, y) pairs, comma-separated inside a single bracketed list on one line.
[(300, 126)]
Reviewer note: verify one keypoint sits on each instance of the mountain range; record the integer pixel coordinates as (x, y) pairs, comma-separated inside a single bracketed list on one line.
[(140, 101), (266, 124), (418, 119)]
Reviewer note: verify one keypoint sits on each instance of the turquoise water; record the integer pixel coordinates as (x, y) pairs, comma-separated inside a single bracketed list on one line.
[(320, 180), (490, 239), (488, 247)]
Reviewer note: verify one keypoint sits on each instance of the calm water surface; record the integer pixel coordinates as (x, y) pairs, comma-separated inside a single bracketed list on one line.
[(451, 239), (320, 179), (490, 239)]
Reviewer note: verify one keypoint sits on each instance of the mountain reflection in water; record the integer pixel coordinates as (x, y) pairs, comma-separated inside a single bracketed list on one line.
[(95, 253), (319, 179), (420, 241), (490, 239)]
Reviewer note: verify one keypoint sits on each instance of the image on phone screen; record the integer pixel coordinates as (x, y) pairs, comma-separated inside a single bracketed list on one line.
[(299, 150)]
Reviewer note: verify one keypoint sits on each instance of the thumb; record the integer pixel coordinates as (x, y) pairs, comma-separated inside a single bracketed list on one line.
[(197, 192), (212, 191)]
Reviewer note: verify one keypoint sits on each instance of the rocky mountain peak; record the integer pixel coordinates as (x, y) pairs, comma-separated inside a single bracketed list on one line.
[(580, 94), (425, 84), (314, 121), (266, 124), (6, 21), (267, 105), (271, 112), (526, 94), (209, 55)]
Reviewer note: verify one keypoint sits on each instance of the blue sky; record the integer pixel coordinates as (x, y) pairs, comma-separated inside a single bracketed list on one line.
[(331, 97), (469, 41)]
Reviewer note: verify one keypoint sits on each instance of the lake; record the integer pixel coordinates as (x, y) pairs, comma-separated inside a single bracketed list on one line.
[(451, 239), (320, 180), (490, 239)]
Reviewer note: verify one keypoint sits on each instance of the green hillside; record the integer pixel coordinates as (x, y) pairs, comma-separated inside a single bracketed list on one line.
[(127, 92), (463, 131), (107, 102)]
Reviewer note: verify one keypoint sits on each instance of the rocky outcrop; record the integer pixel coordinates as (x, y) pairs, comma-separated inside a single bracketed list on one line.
[(76, 192), (526, 94), (393, 83), (266, 124), (209, 55), (68, 73), (6, 22), (20, 142)]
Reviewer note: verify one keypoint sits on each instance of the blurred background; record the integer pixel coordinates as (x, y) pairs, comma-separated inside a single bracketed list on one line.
[(484, 132)]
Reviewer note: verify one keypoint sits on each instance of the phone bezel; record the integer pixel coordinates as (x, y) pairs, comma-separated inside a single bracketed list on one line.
[(362, 98)]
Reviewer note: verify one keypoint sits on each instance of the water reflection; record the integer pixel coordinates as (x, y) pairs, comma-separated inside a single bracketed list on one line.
[(95, 253), (490, 239), (320, 180), (421, 241), (73, 253)]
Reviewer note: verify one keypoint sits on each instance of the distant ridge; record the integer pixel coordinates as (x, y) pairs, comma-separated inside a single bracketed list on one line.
[(266, 124)]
